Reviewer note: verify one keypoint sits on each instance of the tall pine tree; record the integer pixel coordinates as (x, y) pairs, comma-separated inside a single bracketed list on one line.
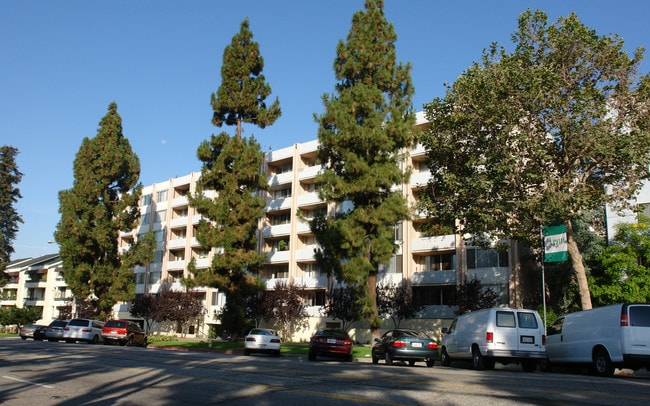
[(366, 126), (232, 168), (10, 176), (102, 202)]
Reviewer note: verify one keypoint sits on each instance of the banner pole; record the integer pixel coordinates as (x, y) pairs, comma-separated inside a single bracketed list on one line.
[(541, 234)]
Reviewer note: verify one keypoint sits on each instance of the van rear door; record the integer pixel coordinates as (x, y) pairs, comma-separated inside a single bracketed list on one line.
[(505, 333), (529, 337), (636, 335)]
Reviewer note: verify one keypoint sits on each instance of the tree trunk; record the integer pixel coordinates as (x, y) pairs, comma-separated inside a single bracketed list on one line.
[(578, 267), (375, 323)]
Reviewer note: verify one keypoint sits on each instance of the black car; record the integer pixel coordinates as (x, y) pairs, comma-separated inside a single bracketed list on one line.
[(39, 333), (330, 343), (405, 345)]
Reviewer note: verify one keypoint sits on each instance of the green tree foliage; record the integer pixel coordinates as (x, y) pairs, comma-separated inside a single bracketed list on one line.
[(343, 304), (624, 267), (10, 176), (102, 202), (232, 168), (540, 135), (471, 296), (19, 315), (367, 124), (396, 302)]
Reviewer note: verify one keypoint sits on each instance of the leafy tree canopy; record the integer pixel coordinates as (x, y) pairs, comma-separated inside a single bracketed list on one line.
[(102, 202), (540, 135), (396, 302), (10, 176), (624, 267), (366, 125)]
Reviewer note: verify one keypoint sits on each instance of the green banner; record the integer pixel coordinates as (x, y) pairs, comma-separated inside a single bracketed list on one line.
[(555, 243)]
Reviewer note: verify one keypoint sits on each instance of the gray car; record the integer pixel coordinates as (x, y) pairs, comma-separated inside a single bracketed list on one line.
[(54, 331)]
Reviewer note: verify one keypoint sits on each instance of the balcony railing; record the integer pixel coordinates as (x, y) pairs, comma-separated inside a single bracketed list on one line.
[(434, 243)]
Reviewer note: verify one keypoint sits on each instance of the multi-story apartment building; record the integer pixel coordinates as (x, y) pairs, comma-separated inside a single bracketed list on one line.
[(37, 283), (433, 264)]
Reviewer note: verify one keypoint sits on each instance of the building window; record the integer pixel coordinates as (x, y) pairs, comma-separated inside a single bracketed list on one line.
[(489, 258), (315, 298), (434, 295), (139, 279), (154, 278), (282, 218), (161, 196), (282, 193), (284, 168), (144, 219), (442, 262), (146, 200), (280, 272), (161, 216)]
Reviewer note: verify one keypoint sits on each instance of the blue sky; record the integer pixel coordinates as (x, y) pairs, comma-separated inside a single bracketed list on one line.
[(63, 62)]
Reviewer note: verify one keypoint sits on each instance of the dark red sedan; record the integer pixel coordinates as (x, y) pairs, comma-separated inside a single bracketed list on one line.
[(330, 343)]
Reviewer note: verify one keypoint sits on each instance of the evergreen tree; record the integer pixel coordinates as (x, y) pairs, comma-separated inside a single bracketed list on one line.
[(9, 195), (541, 135), (232, 168), (102, 202), (366, 126)]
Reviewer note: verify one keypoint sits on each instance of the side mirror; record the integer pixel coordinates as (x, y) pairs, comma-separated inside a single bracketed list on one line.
[(376, 340), (445, 330)]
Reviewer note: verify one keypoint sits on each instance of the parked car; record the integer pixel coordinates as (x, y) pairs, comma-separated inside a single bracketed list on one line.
[(603, 339), (39, 333), (124, 332), (54, 330), (330, 343), (498, 334), (27, 331), (262, 340), (405, 345), (83, 330)]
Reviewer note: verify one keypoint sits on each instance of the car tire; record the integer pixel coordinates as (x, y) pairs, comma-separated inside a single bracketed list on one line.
[(129, 341), (53, 340), (24, 338), (278, 353), (411, 363), (477, 360), (545, 365), (247, 352), (603, 364), (388, 358), (430, 363), (375, 359), (529, 365), (445, 360), (311, 356), (95, 339), (348, 358)]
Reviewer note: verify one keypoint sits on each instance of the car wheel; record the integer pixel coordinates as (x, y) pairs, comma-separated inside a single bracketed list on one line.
[(545, 365), (411, 363), (129, 341), (69, 341), (348, 358), (278, 353), (24, 338), (311, 356), (375, 359), (53, 340), (445, 360), (95, 339), (247, 351), (477, 359), (603, 364), (430, 363), (529, 365), (388, 358)]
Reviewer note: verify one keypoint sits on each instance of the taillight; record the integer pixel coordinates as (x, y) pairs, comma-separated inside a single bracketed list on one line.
[(432, 345), (66, 328), (275, 340), (250, 338), (86, 330), (399, 344), (489, 337), (348, 341), (625, 320)]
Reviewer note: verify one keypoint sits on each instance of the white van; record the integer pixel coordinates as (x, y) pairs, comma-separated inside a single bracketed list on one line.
[(605, 338), (500, 334)]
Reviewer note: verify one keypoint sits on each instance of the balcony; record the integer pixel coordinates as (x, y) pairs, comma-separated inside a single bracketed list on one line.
[(279, 230), (180, 201), (309, 199), (179, 222), (271, 283), (302, 227), (434, 278), (281, 179), (435, 243), (306, 254), (176, 265), (310, 172), (420, 179), (319, 282), (276, 257), (279, 204), (201, 263), (418, 151), (280, 154), (177, 243), (490, 276)]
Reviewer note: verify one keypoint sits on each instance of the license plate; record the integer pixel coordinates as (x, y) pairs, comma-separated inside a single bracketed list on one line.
[(416, 345), (331, 341), (527, 340)]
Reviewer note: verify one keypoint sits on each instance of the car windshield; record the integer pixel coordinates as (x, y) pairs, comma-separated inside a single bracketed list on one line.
[(260, 332), (115, 324), (332, 333), (59, 323), (78, 322)]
